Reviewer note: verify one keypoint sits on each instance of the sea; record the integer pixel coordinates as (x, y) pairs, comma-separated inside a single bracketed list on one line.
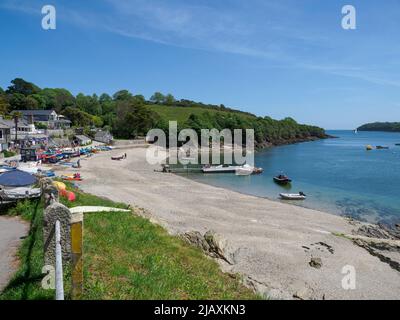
[(338, 175)]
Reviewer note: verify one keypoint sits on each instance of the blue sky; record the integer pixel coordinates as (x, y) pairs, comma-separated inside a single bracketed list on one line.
[(269, 57)]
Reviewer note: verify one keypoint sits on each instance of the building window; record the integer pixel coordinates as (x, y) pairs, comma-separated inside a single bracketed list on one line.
[(1, 134)]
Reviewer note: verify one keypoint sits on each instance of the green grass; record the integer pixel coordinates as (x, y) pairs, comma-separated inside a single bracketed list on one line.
[(125, 257), (181, 114), (8, 154)]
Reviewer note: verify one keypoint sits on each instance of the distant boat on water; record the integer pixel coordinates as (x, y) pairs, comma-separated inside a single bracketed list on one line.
[(238, 170), (282, 179), (220, 169), (356, 131), (246, 170)]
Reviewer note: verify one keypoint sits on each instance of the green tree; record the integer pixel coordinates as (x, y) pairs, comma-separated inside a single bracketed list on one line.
[(17, 101), (133, 119), (57, 99), (78, 117), (23, 87), (169, 99), (40, 100), (16, 115), (157, 98), (31, 103), (107, 104), (122, 95), (89, 104), (4, 105)]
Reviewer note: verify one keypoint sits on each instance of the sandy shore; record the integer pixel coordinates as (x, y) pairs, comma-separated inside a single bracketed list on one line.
[(273, 242)]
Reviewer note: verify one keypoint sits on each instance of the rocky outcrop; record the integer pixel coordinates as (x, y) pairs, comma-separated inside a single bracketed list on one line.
[(212, 244), (381, 242)]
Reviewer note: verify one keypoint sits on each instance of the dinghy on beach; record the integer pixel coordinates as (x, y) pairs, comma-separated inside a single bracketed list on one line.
[(15, 194)]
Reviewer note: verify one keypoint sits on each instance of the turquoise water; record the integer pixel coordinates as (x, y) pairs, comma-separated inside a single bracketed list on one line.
[(338, 175)]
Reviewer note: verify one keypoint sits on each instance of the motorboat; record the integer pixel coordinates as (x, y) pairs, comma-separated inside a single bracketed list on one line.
[(293, 196), (220, 169), (282, 179), (245, 170), (369, 148)]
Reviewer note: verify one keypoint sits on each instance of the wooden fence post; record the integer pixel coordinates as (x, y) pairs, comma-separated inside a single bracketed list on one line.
[(77, 255)]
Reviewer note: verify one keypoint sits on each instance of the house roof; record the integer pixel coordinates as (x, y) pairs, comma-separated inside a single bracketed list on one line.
[(64, 121), (102, 133), (5, 123), (36, 112), (82, 138)]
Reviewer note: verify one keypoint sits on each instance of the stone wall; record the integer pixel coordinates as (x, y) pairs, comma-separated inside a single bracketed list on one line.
[(55, 211)]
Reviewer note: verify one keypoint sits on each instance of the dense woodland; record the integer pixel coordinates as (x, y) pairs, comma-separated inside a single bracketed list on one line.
[(381, 126), (128, 115)]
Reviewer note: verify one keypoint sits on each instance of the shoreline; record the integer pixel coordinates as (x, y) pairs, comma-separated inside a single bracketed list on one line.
[(272, 242)]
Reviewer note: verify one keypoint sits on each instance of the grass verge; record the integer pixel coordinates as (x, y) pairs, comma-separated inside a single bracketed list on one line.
[(126, 257)]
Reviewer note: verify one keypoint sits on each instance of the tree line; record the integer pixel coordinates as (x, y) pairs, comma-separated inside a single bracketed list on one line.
[(381, 126), (128, 115)]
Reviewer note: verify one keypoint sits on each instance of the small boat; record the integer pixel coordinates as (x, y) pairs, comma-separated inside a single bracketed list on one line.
[(369, 148), (246, 170), (282, 179), (381, 148), (293, 196), (20, 193), (397, 144), (72, 177), (220, 169), (118, 158)]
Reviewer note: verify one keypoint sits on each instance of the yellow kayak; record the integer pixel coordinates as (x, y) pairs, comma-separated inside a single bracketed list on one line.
[(59, 185)]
